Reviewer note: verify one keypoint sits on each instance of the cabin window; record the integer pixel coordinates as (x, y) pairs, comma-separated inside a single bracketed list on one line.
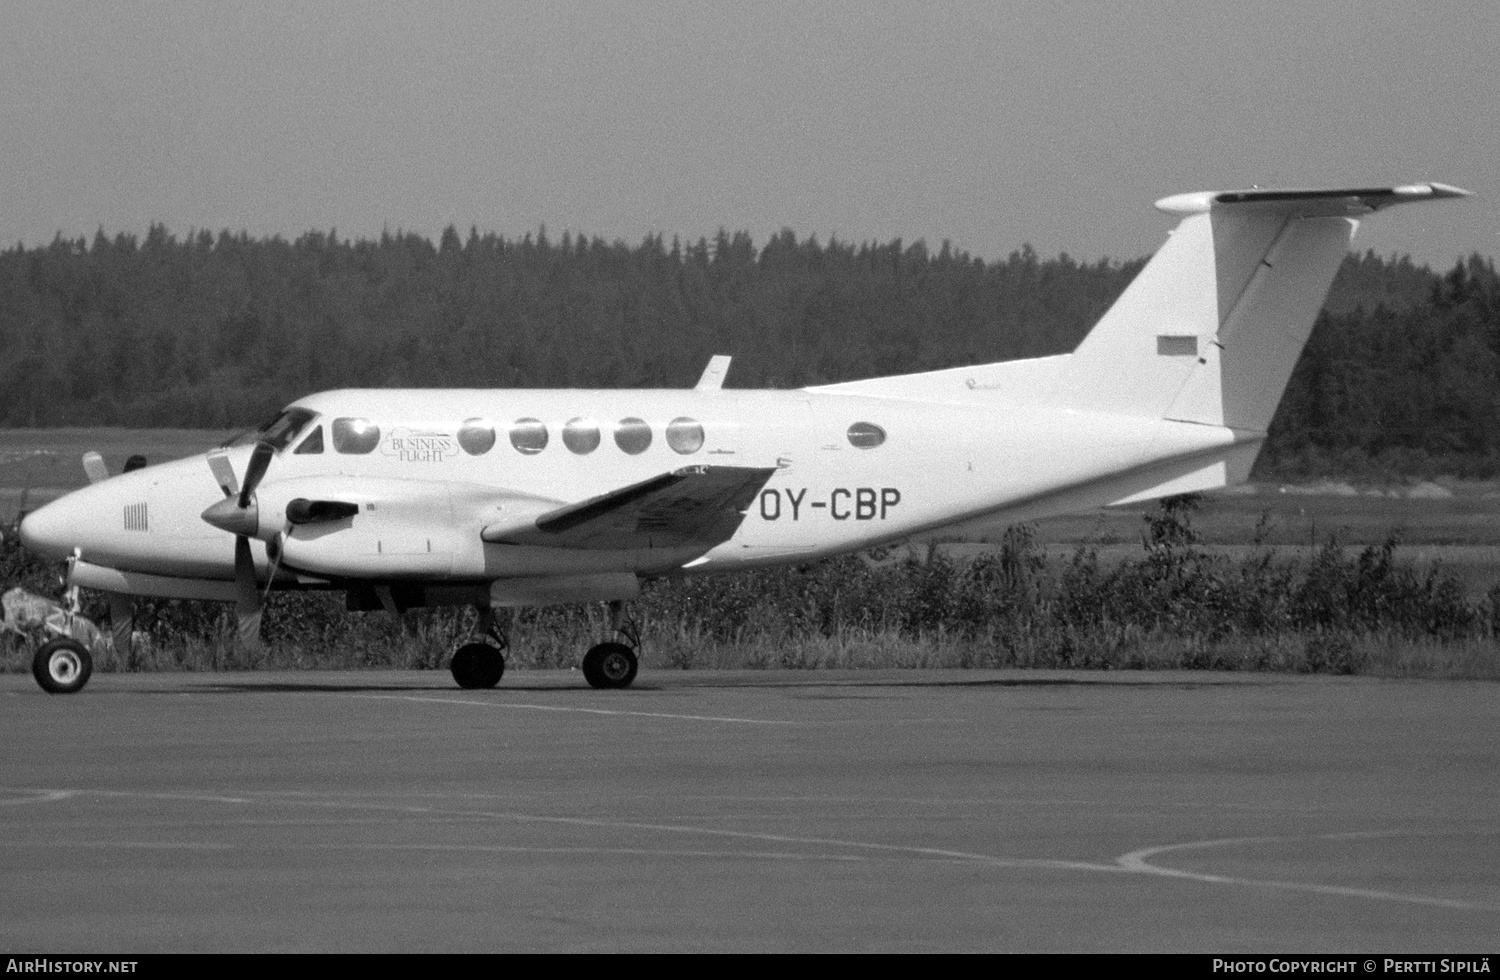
[(866, 435), (633, 436), (477, 436), (581, 435), (312, 445), (685, 436), (529, 436), (355, 437)]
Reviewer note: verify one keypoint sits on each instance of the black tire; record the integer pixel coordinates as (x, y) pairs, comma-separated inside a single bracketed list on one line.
[(609, 665), (62, 666), (477, 665)]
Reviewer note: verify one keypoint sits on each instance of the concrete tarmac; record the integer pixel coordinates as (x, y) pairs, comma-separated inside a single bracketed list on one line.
[(750, 811)]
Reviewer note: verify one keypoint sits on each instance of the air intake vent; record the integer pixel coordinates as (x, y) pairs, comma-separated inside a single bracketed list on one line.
[(135, 517)]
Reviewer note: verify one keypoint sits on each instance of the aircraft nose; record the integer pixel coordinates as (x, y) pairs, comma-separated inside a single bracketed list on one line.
[(49, 530)]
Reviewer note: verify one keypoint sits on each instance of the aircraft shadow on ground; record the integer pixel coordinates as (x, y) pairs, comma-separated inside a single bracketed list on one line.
[(803, 682)]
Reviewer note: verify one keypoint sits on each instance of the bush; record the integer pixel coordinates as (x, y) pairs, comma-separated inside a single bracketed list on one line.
[(1174, 606)]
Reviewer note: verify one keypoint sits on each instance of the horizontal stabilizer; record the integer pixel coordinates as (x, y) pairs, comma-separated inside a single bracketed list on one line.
[(1348, 202)]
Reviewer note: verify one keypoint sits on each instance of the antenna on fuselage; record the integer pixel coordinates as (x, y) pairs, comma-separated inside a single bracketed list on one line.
[(713, 375)]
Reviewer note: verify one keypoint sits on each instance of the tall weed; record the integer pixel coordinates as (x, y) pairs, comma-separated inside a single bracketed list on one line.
[(1176, 605)]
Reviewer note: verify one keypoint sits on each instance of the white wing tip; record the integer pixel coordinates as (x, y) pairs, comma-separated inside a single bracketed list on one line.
[(1434, 189), (1193, 202)]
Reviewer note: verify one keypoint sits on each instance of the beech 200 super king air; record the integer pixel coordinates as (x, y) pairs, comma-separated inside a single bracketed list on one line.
[(505, 498)]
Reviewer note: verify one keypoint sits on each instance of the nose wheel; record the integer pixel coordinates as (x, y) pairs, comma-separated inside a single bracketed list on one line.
[(62, 666)]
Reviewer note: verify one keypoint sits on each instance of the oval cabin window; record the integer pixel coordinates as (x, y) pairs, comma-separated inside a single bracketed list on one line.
[(355, 437), (633, 436), (685, 436), (866, 435), (476, 436), (581, 435), (529, 436)]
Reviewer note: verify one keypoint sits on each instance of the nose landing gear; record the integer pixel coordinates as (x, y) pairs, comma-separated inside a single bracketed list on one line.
[(62, 666)]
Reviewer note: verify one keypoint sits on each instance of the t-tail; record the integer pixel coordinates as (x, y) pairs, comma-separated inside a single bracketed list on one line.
[(1209, 330)]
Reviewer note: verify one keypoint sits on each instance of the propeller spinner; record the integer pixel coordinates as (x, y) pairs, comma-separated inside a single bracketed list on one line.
[(237, 513)]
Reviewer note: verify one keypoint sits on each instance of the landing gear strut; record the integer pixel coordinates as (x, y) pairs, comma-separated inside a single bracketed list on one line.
[(479, 662), (612, 664)]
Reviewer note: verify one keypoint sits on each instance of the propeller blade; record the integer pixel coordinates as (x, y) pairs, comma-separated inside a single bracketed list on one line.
[(218, 461), (121, 626), (249, 628), (93, 466), (259, 460), (274, 549), (248, 604)]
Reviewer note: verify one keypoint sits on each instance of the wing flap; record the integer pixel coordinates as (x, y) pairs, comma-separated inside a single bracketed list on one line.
[(699, 506)]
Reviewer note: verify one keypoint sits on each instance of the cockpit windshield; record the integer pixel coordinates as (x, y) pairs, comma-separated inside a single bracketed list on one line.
[(279, 431)]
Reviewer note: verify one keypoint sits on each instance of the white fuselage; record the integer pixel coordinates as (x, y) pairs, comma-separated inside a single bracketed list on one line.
[(937, 466)]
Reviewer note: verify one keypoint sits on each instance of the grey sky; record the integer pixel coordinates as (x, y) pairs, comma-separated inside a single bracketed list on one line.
[(990, 124)]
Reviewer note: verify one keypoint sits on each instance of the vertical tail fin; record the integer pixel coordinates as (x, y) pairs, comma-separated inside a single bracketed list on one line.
[(1211, 328)]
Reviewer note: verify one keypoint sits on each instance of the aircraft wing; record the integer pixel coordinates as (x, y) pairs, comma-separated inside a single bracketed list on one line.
[(696, 506)]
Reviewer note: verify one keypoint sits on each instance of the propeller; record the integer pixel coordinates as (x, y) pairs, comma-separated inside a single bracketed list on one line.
[(15, 524), (238, 514), (248, 602), (94, 468)]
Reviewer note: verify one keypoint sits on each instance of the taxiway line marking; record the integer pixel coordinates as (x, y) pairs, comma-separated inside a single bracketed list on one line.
[(931, 852), (438, 848), (1135, 862), (129, 845), (42, 796), (1138, 862), (587, 711)]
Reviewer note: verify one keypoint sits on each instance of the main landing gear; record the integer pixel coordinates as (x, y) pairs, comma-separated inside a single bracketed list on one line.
[(611, 664), (480, 661)]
